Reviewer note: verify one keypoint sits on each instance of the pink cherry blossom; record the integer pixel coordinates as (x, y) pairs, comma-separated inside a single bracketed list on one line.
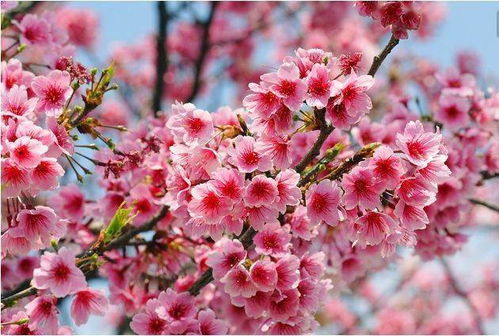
[(272, 240), (207, 203), (59, 273), (43, 313), (288, 274), (14, 178), (319, 86), (288, 192), (69, 202), (387, 167), (373, 227), (277, 147), (260, 191), (415, 191), (177, 309), (287, 85), (27, 152), (322, 202), (209, 325), (351, 93), (237, 282), (264, 275), (149, 322), (34, 30), (453, 111), (411, 217), (39, 222), (53, 90), (46, 174), (86, 302), (419, 147), (262, 103), (16, 102), (229, 256), (361, 189), (228, 183), (247, 157), (191, 125)]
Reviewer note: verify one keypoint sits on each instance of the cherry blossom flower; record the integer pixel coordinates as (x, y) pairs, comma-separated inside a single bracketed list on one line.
[(415, 191), (228, 183), (272, 240), (39, 222), (86, 302), (247, 157), (177, 309), (27, 152), (34, 30), (287, 85), (80, 24), (45, 176), (262, 103), (411, 217), (264, 275), (238, 282), (351, 93), (373, 227), (207, 203), (16, 102), (288, 192), (59, 273), (361, 189), (149, 322), (319, 86), (191, 125), (43, 313), (387, 167), (260, 191), (288, 275), (69, 202), (276, 147), (322, 202), (419, 147), (453, 111), (229, 256), (15, 179), (53, 90), (209, 325)]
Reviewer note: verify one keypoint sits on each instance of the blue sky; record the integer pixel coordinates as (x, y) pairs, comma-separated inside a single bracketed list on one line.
[(469, 25)]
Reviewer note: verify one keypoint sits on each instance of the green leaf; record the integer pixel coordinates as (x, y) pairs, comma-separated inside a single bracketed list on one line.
[(121, 218)]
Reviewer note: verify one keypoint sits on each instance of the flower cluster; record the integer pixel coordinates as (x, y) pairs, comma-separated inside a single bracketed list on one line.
[(234, 220)]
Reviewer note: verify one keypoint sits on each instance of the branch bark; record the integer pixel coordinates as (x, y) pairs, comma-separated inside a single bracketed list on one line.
[(392, 43), (161, 56), (204, 48), (492, 207), (325, 131)]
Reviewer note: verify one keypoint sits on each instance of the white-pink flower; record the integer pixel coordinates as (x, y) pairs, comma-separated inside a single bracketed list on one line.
[(86, 302), (273, 240), (52, 90), (453, 111), (208, 204), (247, 157), (287, 85), (191, 125), (27, 152), (419, 147), (319, 86), (59, 274), (261, 191), (361, 189), (322, 202)]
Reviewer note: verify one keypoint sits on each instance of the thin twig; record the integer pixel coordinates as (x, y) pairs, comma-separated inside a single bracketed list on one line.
[(204, 48), (325, 131), (161, 56), (492, 207), (378, 59)]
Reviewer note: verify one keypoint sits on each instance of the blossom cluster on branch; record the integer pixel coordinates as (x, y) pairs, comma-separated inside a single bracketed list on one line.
[(235, 220)]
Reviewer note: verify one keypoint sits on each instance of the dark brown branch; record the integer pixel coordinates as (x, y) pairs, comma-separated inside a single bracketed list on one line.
[(325, 131), (116, 243), (161, 57), (492, 207), (462, 294), (246, 239), (487, 176), (204, 48), (381, 57)]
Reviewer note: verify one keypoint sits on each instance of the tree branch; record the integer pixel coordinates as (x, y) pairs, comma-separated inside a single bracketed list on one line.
[(392, 43), (116, 243), (161, 56), (325, 131), (203, 52), (461, 293), (492, 207)]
